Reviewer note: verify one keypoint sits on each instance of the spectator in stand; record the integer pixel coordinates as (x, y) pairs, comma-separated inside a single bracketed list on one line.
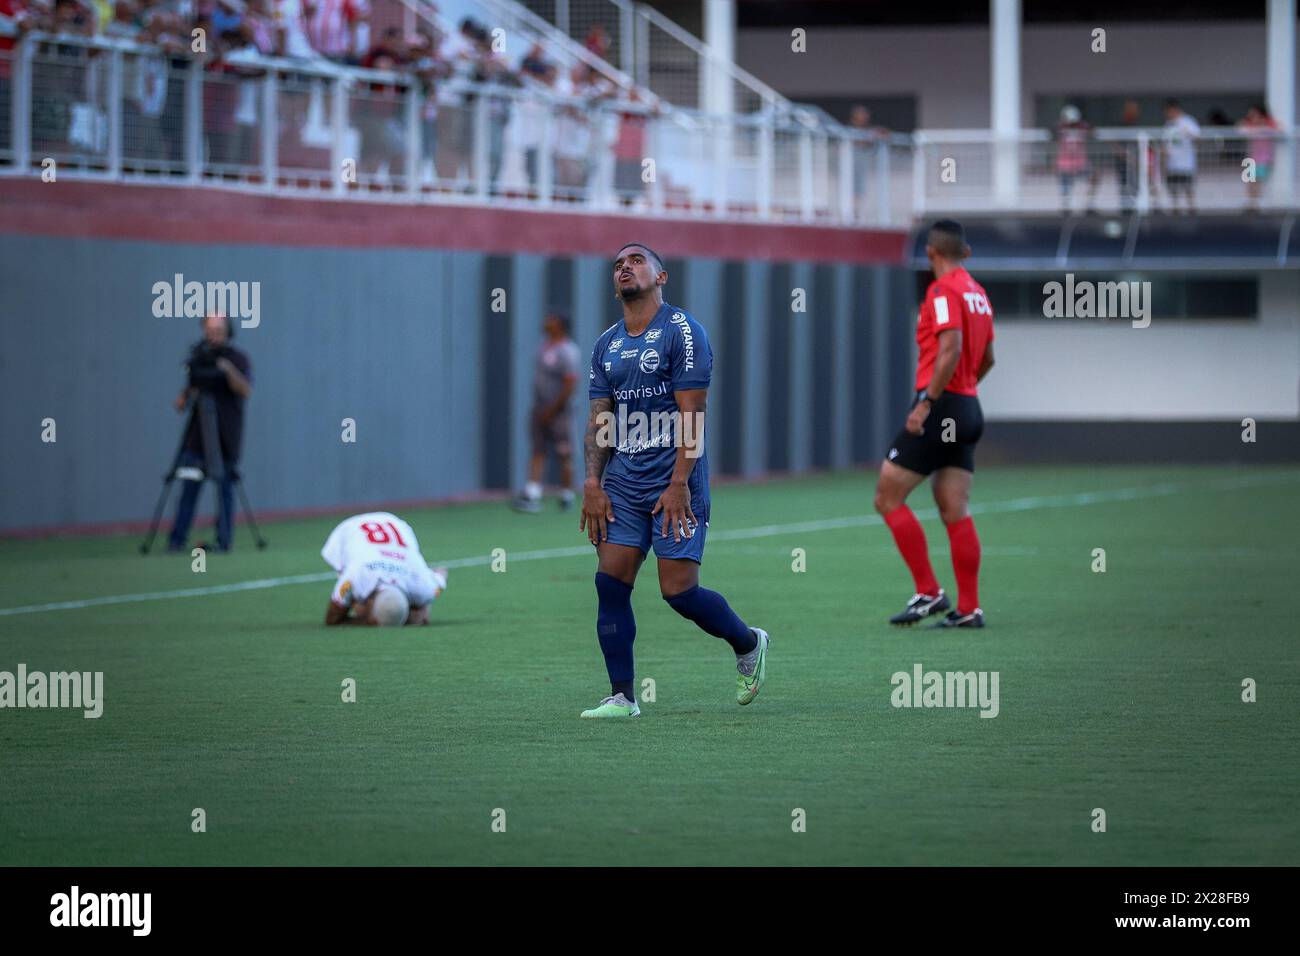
[(597, 41), (539, 78), (123, 26), (573, 137), (333, 25), (430, 70), (290, 30), (1262, 129), (864, 152), (71, 18), (102, 11), (630, 148), (1181, 133), (1072, 135), (240, 56), (491, 69), (259, 19), (455, 121), (378, 112), (146, 80)]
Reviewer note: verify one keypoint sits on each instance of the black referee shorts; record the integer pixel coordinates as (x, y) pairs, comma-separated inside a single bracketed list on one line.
[(951, 431)]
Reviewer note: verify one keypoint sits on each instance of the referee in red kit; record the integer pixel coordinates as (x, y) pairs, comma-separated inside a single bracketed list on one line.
[(954, 335)]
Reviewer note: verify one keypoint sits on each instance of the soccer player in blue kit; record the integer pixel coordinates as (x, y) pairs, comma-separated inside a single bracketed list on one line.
[(648, 477)]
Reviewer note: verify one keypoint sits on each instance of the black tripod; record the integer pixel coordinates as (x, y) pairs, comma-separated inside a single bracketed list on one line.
[(214, 468)]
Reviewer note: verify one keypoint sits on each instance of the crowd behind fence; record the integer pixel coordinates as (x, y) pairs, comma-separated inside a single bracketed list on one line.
[(117, 109)]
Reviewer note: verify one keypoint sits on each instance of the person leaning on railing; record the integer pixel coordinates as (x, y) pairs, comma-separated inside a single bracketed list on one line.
[(1259, 147)]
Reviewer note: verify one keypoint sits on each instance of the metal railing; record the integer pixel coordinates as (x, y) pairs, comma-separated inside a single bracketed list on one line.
[(662, 56), (1117, 170), (114, 110), (111, 109)]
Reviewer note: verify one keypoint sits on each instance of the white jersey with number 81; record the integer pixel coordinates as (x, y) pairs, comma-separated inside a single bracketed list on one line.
[(377, 548)]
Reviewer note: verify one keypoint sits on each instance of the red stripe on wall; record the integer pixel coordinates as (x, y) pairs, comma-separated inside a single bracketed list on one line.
[(161, 213)]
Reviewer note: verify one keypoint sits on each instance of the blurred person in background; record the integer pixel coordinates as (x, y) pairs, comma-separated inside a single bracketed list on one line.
[(1263, 129), (491, 69), (430, 70), (631, 147), (146, 81), (455, 120), (214, 368), (572, 137), (864, 152), (379, 115), (335, 27), (291, 31), (124, 25), (1072, 135), (102, 11), (597, 41), (555, 377), (531, 112), (1180, 134)]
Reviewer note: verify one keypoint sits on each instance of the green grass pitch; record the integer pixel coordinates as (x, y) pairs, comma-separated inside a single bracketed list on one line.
[(1120, 690)]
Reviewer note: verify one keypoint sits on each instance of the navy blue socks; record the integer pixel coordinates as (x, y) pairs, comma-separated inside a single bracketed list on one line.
[(616, 629), (710, 611)]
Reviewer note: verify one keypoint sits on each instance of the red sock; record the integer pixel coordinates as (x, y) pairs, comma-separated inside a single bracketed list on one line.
[(910, 538), (965, 544)]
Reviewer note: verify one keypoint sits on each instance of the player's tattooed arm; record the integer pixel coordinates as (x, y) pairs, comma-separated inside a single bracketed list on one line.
[(598, 445)]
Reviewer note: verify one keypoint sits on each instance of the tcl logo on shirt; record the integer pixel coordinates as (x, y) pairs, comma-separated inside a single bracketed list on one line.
[(976, 302)]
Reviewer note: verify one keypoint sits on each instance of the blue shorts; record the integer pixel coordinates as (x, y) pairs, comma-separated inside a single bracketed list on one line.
[(635, 527)]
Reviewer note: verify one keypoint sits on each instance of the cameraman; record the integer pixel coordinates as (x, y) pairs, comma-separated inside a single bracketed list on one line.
[(218, 369)]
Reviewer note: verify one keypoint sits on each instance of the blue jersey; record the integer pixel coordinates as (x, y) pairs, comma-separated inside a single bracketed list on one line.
[(641, 374)]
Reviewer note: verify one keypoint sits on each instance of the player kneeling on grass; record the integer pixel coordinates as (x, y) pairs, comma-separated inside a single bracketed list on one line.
[(383, 578), (650, 376)]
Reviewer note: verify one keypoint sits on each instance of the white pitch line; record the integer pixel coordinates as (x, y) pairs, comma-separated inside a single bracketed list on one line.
[(1012, 505)]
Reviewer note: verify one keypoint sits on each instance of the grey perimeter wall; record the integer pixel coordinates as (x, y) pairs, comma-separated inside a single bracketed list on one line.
[(405, 342)]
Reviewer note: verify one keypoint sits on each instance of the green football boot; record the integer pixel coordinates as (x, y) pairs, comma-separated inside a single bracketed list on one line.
[(751, 669), (616, 706)]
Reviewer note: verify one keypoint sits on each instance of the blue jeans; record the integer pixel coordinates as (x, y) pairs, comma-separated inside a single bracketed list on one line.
[(190, 499)]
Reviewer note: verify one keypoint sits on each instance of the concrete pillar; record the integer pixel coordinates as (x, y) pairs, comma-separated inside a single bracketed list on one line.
[(718, 93), (1280, 92), (755, 394), (1004, 98)]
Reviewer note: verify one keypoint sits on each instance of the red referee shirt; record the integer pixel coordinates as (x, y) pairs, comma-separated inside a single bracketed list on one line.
[(955, 301)]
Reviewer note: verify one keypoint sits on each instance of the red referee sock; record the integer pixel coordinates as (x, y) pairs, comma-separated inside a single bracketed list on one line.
[(910, 538), (965, 545)]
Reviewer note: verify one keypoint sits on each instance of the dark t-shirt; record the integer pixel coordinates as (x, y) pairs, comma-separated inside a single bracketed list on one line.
[(230, 408)]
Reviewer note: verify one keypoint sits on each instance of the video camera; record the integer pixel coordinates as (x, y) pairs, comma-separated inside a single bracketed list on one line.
[(201, 364)]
